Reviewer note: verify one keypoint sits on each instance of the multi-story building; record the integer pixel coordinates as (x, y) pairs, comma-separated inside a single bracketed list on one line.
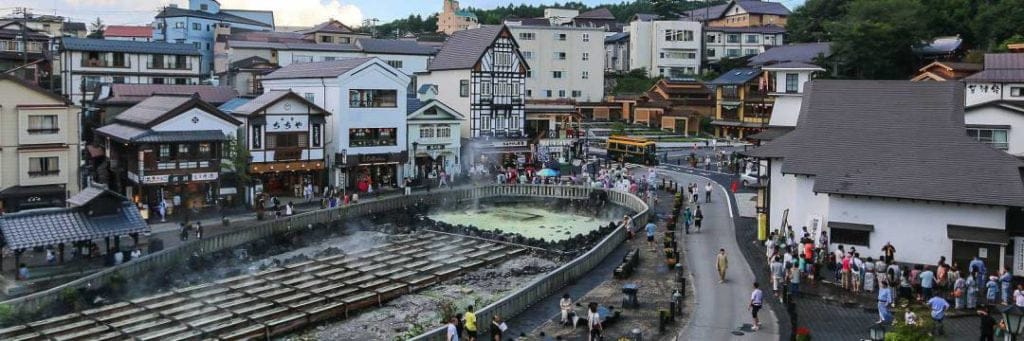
[(742, 13), (169, 148), (328, 41), (434, 143), (130, 33), (25, 56), (565, 62), (688, 102), (196, 25), (616, 52), (597, 18), (452, 19), (52, 25), (743, 104), (738, 42), (665, 48), (113, 99), (995, 103), (285, 134), (482, 72), (367, 101), (39, 147), (87, 63)]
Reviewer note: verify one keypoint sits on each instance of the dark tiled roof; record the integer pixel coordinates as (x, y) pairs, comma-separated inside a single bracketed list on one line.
[(960, 66), (271, 97), (597, 13), (249, 62), (464, 48), (124, 133), (764, 7), (43, 227), (617, 37), (412, 104), (1004, 61), (766, 29), (90, 194), (168, 12), (770, 133), (792, 65), (135, 93), (646, 17), (180, 136), (103, 45), (867, 126), (152, 108), (736, 76), (330, 26), (803, 53), (392, 46), (73, 27), (326, 69), (997, 75)]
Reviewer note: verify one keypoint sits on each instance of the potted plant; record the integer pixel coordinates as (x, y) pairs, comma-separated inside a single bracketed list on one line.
[(803, 334)]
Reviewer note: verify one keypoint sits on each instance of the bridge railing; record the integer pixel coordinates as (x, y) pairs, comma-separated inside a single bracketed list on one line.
[(552, 282), (243, 235)]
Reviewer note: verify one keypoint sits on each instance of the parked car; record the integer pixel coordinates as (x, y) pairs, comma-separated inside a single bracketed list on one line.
[(750, 179)]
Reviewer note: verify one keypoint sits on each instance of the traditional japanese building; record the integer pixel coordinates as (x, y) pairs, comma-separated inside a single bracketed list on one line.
[(743, 103), (285, 135), (940, 71), (170, 148)]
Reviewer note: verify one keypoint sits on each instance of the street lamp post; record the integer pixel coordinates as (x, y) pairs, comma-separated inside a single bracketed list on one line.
[(1014, 317), (877, 332), (412, 160)]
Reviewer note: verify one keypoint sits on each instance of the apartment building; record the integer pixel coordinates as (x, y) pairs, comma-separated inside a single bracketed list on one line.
[(665, 48), (565, 62), (452, 18), (738, 42), (87, 63), (196, 25)]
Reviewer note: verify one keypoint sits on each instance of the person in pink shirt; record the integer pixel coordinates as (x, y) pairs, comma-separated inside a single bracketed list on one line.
[(847, 272)]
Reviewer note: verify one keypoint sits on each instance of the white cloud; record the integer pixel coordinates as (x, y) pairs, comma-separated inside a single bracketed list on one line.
[(302, 12)]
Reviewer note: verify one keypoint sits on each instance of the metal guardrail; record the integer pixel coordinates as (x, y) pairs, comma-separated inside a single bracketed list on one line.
[(518, 301), (219, 242)]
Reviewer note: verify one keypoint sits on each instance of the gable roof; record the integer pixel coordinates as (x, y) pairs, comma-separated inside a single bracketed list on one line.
[(73, 26), (326, 69), (803, 53), (33, 87), (645, 17), (764, 29), (1004, 61), (394, 46), (128, 31), (751, 6), (1000, 67), (423, 106), (43, 227), (867, 126), (953, 66), (736, 76), (250, 62), (269, 98), (103, 45), (329, 26), (156, 109), (465, 48), (597, 13), (135, 93), (168, 12)]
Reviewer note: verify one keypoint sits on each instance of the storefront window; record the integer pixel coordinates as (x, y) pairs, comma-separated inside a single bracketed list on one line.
[(183, 152), (361, 98), (291, 140), (372, 137), (204, 151)]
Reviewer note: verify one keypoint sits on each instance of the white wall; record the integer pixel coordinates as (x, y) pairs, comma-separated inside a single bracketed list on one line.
[(540, 55), (137, 72), (786, 109), (993, 115), (648, 43), (349, 118), (448, 93), (205, 121), (976, 93), (916, 229), (326, 94), (796, 193), (721, 46)]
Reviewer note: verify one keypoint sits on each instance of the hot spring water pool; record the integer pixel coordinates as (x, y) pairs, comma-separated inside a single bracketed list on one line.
[(528, 221)]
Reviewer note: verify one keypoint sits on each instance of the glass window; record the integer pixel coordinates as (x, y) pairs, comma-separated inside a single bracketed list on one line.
[(1017, 91), (586, 55), (751, 52), (195, 26), (711, 38), (464, 88), (443, 130), (204, 151), (561, 93), (850, 237), (586, 74), (89, 83), (997, 138), (752, 39), (577, 93), (287, 140), (561, 36), (309, 96), (792, 82), (257, 136), (43, 166), (165, 152), (367, 98), (527, 54), (732, 52), (395, 63), (527, 36), (326, 39), (711, 52), (586, 37), (560, 55), (42, 124), (502, 58), (302, 59), (556, 74), (486, 88), (372, 137), (732, 38), (426, 131), (183, 152)]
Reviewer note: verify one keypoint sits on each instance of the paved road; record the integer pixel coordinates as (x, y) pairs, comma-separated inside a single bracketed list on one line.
[(721, 309)]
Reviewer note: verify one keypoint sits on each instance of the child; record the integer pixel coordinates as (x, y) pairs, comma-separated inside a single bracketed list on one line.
[(910, 318), (992, 290)]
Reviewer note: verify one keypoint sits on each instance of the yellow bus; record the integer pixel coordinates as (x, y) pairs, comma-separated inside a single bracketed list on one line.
[(631, 149)]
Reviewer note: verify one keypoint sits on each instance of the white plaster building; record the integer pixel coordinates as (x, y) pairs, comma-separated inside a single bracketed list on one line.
[(995, 103), (367, 101), (736, 42), (665, 48), (955, 199), (565, 61), (434, 142), (87, 63)]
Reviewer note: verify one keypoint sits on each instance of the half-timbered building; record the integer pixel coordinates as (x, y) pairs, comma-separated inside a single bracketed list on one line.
[(482, 72)]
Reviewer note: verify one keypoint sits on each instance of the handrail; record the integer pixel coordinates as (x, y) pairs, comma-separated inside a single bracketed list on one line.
[(257, 231)]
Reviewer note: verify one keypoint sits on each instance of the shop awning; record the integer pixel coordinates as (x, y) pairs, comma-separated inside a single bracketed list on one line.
[(21, 191), (851, 226), (977, 234), (53, 226)]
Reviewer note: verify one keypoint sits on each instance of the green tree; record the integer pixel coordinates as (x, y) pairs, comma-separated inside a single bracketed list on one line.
[(619, 129), (807, 23), (97, 27), (875, 39), (996, 21), (666, 8), (238, 161)]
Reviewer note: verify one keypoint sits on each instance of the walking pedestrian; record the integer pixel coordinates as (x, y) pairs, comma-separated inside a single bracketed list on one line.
[(698, 218), (651, 227), (184, 231), (884, 301), (497, 328), (778, 272), (687, 219), (938, 306), (594, 321), (565, 305), (707, 193), (722, 263), (469, 321), (794, 280), (756, 301), (451, 331), (693, 193)]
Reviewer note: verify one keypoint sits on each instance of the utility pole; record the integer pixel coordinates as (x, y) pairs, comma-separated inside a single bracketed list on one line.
[(24, 33)]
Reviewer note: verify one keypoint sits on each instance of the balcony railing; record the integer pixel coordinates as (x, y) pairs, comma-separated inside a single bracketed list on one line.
[(43, 131), (15, 46), (169, 66), (169, 165), (105, 63)]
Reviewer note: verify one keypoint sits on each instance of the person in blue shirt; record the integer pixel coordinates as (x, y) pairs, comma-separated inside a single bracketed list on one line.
[(979, 266), (938, 306), (927, 278), (651, 227), (884, 301), (992, 290), (1004, 284), (687, 219)]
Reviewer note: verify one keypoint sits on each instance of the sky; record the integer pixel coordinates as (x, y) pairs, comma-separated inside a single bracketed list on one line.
[(286, 12)]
